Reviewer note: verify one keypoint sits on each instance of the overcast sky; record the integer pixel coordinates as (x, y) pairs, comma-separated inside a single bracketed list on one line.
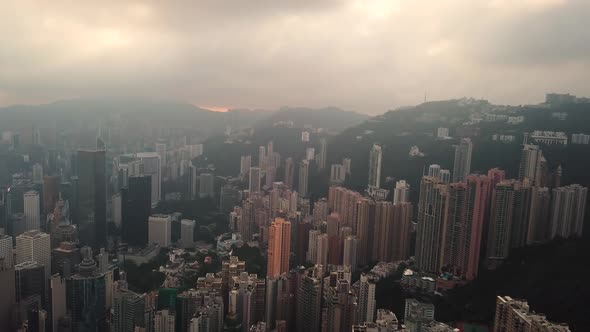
[(367, 56)]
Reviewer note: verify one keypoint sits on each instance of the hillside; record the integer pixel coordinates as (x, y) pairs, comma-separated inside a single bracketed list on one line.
[(330, 118)]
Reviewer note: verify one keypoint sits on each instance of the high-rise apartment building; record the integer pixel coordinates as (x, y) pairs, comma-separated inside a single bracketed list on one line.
[(464, 226), (401, 193), (279, 247), (254, 182), (417, 314), (151, 165), (538, 230), (6, 251), (365, 217), (206, 185), (309, 299), (245, 164), (531, 160), (128, 310), (430, 223), (289, 173), (34, 246), (462, 163), (323, 153), (375, 167), (92, 197), (382, 244), (568, 207), (32, 211), (367, 304), (303, 178), (337, 174), (160, 230), (350, 252), (402, 228), (515, 315)]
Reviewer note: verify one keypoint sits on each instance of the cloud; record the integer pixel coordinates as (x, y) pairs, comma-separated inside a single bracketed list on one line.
[(365, 55)]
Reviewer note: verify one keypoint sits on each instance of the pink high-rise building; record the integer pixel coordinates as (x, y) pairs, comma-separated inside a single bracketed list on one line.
[(279, 247)]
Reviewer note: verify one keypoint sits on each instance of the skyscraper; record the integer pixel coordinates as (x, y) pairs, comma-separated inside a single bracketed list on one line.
[(567, 211), (383, 232), (365, 216), (187, 229), (401, 193), (337, 174), (375, 167), (516, 315), (289, 173), (303, 178), (32, 210), (34, 246), (7, 289), (367, 305), (417, 314), (151, 165), (192, 182), (206, 185), (538, 230), (323, 154), (254, 183), (135, 212), (402, 228), (464, 226), (50, 192), (350, 252), (262, 158), (245, 164), (309, 299), (6, 254), (160, 229), (128, 309), (530, 164), (57, 298), (462, 163), (430, 222), (502, 208), (92, 197), (279, 246)]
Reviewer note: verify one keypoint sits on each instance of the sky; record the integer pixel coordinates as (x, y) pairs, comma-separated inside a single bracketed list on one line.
[(368, 56)]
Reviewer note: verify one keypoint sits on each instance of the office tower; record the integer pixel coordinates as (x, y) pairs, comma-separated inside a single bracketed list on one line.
[(402, 228), (187, 230), (31, 208), (337, 174), (7, 287), (417, 314), (430, 221), (136, 208), (34, 246), (92, 197), (322, 251), (254, 183), (516, 315), (117, 209), (279, 247), (538, 229), (128, 310), (64, 259), (303, 178), (160, 230), (192, 182), (382, 232), (401, 193), (160, 148), (365, 224), (29, 288), (309, 298), (228, 198), (567, 211), (86, 295), (165, 321), (245, 164), (57, 301), (289, 179), (375, 167), (323, 154), (350, 252), (6, 252), (462, 163), (530, 163), (151, 165), (346, 162), (206, 185), (366, 299), (50, 192), (463, 226), (37, 173)]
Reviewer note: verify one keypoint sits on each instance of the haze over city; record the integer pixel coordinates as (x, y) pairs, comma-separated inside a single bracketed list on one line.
[(367, 56)]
